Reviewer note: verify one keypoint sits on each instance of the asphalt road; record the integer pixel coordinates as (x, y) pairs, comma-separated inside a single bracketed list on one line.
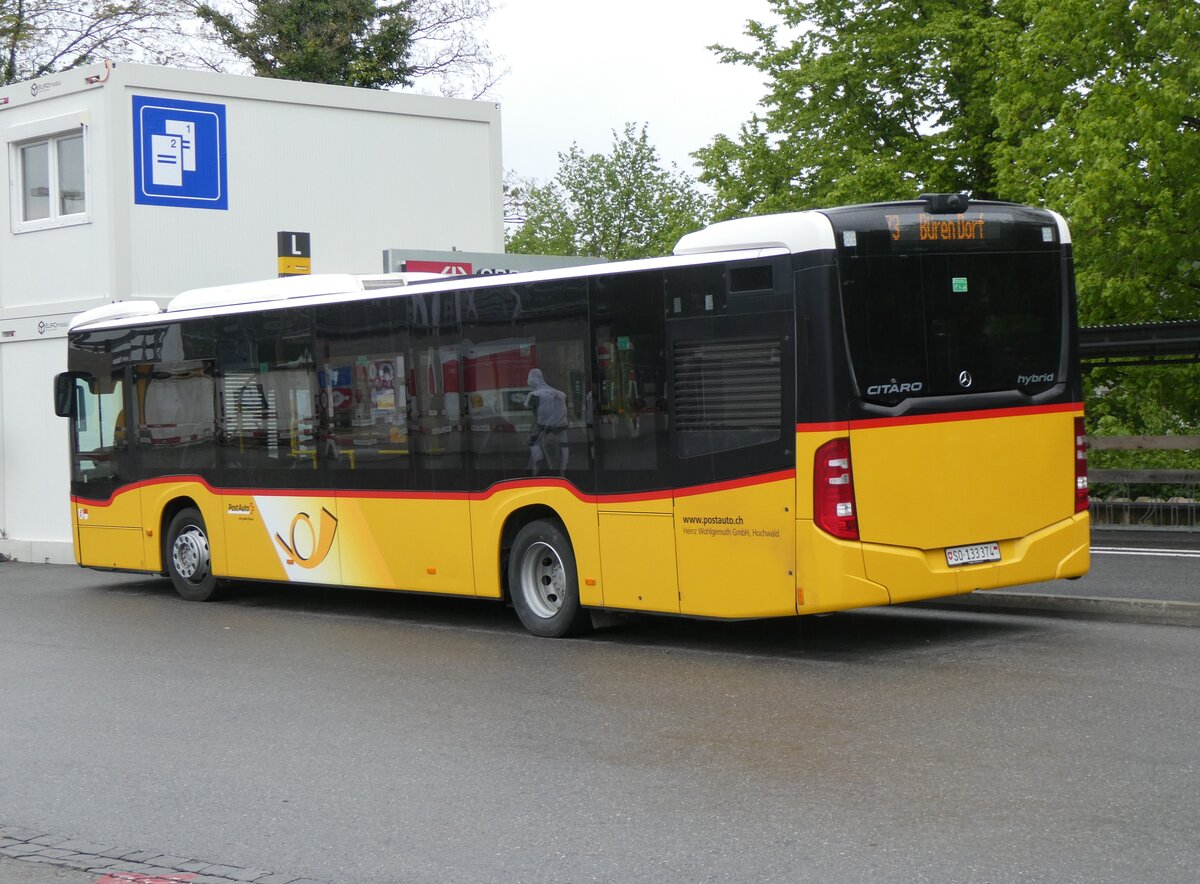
[(361, 737), (1137, 564)]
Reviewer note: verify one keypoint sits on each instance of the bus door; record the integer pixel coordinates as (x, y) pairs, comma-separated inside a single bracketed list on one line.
[(732, 394), (107, 516), (281, 519), (629, 425), (390, 433)]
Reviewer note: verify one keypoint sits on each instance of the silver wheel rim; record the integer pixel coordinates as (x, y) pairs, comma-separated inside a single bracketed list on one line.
[(543, 580), (189, 554)]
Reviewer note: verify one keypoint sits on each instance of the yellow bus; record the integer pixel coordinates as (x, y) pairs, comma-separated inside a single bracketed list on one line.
[(791, 414)]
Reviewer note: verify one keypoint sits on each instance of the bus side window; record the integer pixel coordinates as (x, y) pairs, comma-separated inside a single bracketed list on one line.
[(629, 368), (177, 418), (99, 426), (268, 394)]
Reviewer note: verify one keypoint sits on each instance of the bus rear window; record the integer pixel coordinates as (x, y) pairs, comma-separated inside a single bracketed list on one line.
[(937, 324)]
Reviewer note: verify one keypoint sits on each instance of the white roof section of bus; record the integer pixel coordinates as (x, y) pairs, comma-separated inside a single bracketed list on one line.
[(793, 231), (263, 290), (116, 310), (243, 293), (288, 287), (324, 289), (1064, 233)]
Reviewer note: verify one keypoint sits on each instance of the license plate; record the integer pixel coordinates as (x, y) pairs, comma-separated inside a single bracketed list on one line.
[(972, 555)]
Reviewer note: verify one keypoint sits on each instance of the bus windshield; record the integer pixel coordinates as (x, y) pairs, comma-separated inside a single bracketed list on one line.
[(974, 304)]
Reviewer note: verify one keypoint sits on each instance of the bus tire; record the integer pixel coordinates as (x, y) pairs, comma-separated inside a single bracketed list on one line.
[(189, 558), (543, 582)]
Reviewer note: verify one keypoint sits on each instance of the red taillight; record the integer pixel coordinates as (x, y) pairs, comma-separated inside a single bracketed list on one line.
[(1081, 483), (833, 490)]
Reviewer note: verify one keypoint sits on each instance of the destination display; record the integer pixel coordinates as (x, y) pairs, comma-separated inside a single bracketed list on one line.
[(869, 230)]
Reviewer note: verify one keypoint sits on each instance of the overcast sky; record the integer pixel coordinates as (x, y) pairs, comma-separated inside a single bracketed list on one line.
[(577, 71)]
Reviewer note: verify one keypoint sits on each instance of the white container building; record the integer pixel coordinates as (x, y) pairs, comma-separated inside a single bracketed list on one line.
[(130, 181)]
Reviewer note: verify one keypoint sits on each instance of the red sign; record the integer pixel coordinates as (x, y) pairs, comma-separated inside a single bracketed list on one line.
[(506, 367), (446, 268)]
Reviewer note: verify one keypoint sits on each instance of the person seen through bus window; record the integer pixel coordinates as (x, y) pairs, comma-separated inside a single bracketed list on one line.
[(548, 435)]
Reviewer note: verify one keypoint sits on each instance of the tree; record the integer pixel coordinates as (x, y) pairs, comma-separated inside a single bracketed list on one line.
[(868, 100), (358, 42), (447, 48), (351, 42), (1098, 105), (342, 42), (1089, 107), (624, 204), (40, 37)]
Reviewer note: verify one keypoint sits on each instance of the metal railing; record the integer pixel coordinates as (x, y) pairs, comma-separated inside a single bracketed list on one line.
[(1124, 507)]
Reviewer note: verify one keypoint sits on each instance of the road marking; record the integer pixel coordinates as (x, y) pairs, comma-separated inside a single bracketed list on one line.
[(1145, 551)]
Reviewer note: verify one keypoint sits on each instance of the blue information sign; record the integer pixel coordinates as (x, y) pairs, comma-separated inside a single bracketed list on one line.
[(179, 153)]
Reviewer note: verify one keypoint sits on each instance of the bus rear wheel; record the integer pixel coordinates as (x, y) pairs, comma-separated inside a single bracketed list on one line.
[(543, 582), (189, 559)]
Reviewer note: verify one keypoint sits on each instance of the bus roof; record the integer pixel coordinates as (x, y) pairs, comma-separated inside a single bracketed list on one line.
[(323, 289), (793, 231)]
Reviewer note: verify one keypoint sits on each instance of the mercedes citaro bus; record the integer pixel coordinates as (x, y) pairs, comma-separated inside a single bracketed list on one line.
[(791, 414)]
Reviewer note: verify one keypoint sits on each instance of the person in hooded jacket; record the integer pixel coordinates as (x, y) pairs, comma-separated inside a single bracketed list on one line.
[(548, 436)]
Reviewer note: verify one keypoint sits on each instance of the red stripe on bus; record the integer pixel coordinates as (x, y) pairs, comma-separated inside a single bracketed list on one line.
[(962, 416), (498, 488), (765, 479), (197, 480), (143, 483), (377, 494), (827, 427), (946, 417)]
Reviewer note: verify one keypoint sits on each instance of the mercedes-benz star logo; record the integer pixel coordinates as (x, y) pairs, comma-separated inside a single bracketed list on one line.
[(965, 379)]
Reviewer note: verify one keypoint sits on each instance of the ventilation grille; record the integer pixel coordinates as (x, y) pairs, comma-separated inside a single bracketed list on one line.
[(752, 279), (728, 385)]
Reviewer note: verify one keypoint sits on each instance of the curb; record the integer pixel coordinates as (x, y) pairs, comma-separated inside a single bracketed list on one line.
[(1162, 613)]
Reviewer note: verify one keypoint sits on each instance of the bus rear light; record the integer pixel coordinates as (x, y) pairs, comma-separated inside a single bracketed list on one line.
[(833, 490), (1081, 477)]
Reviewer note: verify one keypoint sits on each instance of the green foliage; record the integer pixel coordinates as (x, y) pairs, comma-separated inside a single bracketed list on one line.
[(1102, 123), (868, 100), (39, 37), (342, 42), (1150, 401), (1099, 111), (1088, 107), (1137, 400), (619, 205)]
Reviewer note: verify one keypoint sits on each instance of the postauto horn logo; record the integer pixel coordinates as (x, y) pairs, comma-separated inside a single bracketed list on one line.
[(317, 543)]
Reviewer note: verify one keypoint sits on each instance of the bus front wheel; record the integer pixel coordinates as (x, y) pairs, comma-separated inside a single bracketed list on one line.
[(543, 582), (189, 560)]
